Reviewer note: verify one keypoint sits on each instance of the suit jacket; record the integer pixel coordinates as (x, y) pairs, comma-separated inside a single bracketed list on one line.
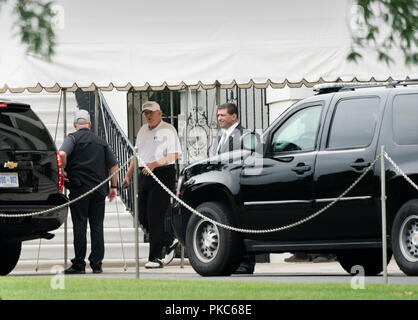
[(233, 142)]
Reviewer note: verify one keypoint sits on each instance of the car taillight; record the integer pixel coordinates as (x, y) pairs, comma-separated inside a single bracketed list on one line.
[(60, 174), (3, 105)]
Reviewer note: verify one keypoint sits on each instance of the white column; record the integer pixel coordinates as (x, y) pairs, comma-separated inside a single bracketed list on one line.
[(281, 99), (117, 102)]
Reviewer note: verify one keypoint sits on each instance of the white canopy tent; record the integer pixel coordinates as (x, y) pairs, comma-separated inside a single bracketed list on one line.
[(130, 43)]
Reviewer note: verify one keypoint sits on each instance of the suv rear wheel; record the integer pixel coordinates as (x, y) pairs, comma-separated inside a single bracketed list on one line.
[(9, 256), (213, 250), (369, 259), (405, 238)]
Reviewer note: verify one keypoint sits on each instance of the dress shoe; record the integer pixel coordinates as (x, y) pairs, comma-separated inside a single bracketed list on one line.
[(325, 258), (298, 257), (72, 270), (244, 270), (98, 270)]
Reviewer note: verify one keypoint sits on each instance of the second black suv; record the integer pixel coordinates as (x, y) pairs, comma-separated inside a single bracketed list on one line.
[(307, 158), (31, 180)]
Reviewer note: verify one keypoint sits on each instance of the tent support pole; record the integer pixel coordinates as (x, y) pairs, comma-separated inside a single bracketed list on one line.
[(96, 111)]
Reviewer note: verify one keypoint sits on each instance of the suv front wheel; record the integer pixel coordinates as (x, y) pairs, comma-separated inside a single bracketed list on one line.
[(213, 250), (9, 256), (405, 238)]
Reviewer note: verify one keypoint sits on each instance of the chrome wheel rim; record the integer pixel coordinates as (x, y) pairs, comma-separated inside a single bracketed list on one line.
[(408, 238), (205, 241)]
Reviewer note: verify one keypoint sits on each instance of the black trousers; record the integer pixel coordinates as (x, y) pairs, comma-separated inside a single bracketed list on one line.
[(154, 203), (92, 209)]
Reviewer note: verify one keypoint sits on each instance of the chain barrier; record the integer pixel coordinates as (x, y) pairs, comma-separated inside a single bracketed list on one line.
[(251, 230), (194, 211), (400, 171), (31, 214)]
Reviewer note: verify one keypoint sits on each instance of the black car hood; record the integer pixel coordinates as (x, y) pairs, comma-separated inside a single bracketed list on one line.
[(216, 163)]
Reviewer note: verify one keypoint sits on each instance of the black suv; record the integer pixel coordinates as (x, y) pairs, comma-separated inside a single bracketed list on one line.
[(305, 160), (31, 180)]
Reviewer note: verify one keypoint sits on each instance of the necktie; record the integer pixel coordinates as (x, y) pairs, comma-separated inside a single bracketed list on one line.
[(221, 142)]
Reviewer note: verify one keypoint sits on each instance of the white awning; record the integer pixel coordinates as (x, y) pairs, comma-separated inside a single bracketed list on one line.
[(130, 43)]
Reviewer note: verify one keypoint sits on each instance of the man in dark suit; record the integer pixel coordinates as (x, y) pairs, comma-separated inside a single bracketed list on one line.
[(228, 141), (231, 132)]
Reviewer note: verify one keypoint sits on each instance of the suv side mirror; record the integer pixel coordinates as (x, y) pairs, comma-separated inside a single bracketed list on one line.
[(250, 141)]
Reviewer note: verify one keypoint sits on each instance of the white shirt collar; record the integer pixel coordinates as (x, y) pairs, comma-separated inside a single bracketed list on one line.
[(231, 129)]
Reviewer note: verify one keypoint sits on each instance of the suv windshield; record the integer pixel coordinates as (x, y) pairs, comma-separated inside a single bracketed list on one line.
[(23, 131)]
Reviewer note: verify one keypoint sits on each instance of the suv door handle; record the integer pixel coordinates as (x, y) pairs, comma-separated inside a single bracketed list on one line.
[(301, 168), (360, 165), (284, 159)]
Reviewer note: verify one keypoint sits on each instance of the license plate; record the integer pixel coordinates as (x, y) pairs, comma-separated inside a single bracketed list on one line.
[(9, 180)]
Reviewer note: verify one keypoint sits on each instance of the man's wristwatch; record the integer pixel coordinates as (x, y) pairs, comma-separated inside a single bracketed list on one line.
[(113, 187)]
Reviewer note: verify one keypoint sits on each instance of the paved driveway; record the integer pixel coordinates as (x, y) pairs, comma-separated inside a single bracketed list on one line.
[(330, 272)]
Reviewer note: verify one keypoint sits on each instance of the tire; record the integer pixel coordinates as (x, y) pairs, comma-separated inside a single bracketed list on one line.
[(405, 238), (9, 256), (369, 259), (213, 250)]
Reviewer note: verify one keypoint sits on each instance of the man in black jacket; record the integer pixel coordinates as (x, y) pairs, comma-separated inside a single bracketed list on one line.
[(88, 160), (232, 131)]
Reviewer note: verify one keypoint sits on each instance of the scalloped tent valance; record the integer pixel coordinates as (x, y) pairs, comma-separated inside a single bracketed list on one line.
[(135, 44), (56, 88)]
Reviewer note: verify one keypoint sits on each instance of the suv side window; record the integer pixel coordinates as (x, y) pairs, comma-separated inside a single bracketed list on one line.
[(299, 131), (405, 119), (353, 124)]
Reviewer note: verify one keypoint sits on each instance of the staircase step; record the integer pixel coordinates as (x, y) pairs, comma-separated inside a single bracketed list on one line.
[(111, 220), (46, 105), (115, 215), (116, 206), (111, 235), (51, 265), (56, 251)]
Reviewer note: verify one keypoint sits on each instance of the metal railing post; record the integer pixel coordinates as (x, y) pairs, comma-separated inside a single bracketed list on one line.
[(383, 205), (135, 183)]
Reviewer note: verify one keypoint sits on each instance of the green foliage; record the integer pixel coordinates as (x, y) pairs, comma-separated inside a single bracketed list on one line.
[(401, 18), (35, 25)]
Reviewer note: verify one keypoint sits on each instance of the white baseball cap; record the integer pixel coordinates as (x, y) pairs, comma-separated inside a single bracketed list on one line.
[(81, 117), (151, 106)]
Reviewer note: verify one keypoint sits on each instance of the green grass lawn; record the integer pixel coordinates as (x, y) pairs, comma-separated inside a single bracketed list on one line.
[(22, 288)]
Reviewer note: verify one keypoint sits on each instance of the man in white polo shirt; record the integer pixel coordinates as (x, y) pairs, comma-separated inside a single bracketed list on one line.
[(158, 147)]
